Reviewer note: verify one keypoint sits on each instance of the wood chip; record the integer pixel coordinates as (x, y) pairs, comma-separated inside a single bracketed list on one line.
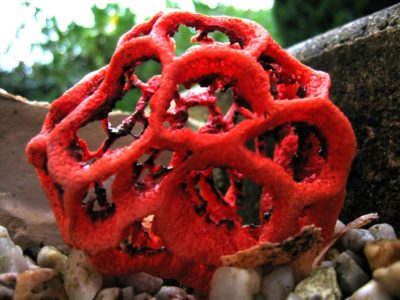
[(275, 253)]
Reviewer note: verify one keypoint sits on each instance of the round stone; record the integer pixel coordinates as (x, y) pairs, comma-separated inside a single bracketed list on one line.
[(109, 294), (50, 257), (81, 280), (8, 279), (6, 293), (11, 256), (355, 239), (142, 296), (382, 253), (40, 283), (141, 282), (371, 290), (171, 292), (127, 293), (389, 278), (383, 231), (350, 275), (234, 283), (278, 283)]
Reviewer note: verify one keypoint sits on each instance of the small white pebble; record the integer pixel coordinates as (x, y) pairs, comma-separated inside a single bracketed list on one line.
[(142, 296), (109, 294), (234, 284), (11, 256), (171, 292), (372, 290), (50, 257), (81, 280)]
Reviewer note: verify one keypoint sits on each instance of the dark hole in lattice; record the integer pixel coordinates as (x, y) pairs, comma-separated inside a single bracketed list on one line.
[(298, 147), (221, 180), (127, 130), (283, 84), (249, 202), (75, 150), (151, 168), (97, 202), (267, 62), (243, 103), (251, 144), (309, 138), (138, 240), (167, 124), (265, 144)]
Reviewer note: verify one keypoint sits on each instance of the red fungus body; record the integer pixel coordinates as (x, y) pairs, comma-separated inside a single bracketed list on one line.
[(131, 212)]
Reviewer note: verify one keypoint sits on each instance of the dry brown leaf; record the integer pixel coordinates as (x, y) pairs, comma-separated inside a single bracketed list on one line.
[(275, 253)]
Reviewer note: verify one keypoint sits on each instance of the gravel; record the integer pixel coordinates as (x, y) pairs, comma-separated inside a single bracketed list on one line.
[(364, 264)]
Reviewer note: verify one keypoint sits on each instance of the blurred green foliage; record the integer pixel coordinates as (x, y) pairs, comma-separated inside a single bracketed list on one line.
[(298, 20), (78, 50), (75, 51)]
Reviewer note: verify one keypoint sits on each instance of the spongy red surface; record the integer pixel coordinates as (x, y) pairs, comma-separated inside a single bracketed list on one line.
[(277, 129)]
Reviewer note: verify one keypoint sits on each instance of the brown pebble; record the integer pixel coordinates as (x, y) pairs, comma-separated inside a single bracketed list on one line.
[(40, 283), (382, 253), (389, 278)]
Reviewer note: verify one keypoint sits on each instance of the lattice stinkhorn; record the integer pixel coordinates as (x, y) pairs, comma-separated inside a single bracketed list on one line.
[(131, 210)]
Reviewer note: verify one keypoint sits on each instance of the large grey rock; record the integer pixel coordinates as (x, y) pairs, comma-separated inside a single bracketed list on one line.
[(363, 60), (24, 208)]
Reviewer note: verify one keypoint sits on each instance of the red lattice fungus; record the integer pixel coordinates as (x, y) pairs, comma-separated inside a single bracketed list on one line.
[(168, 202)]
